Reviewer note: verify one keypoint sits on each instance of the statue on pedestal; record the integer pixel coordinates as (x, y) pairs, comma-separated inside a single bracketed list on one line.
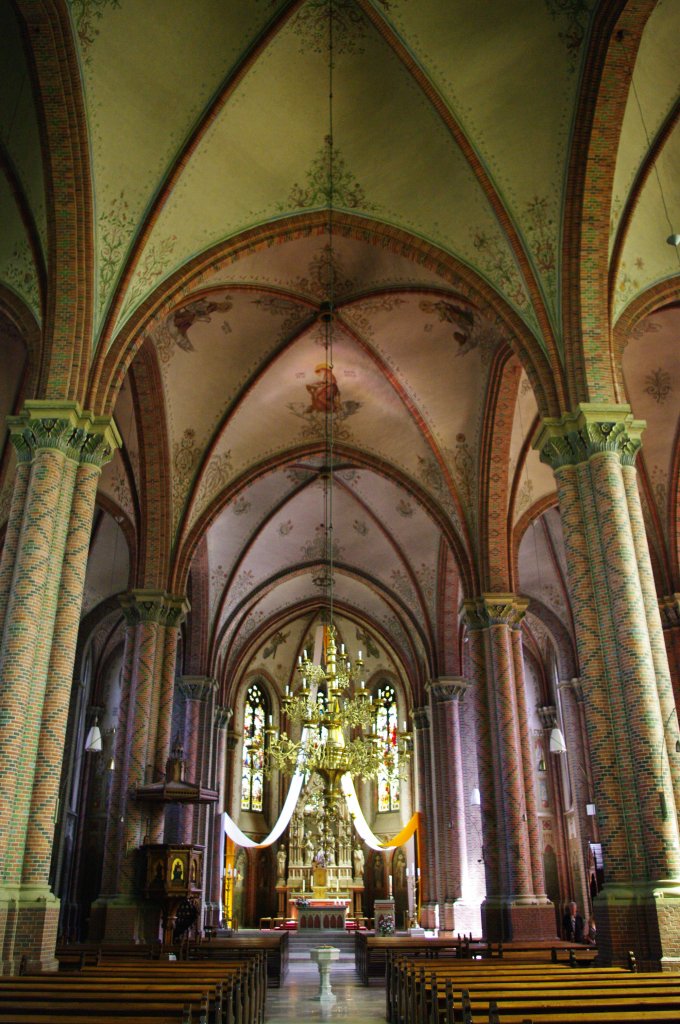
[(359, 861), (281, 865)]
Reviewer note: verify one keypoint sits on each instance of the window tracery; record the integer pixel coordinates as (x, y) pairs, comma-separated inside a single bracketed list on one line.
[(252, 760), (386, 728)]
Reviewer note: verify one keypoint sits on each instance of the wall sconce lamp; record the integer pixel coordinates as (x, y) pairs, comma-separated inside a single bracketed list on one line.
[(475, 798), (557, 744), (93, 740)]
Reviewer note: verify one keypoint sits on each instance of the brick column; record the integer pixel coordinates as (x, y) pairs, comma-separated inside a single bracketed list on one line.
[(625, 682), (13, 531), (512, 908), (143, 744), (113, 844), (555, 774), (526, 754), (669, 607), (426, 840), (485, 763), (657, 645), (449, 799), (173, 613), (197, 692), (221, 718), (580, 828), (61, 450)]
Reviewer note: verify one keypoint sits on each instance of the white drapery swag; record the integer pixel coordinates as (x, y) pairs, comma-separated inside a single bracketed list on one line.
[(347, 785), (357, 815), (361, 825), (241, 839)]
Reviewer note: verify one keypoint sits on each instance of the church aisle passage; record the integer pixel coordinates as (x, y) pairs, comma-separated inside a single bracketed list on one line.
[(298, 998)]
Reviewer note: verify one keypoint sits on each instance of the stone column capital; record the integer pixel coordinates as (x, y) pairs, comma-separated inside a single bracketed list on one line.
[(547, 716), (421, 719), (447, 688), (63, 426), (669, 608), (576, 687), (222, 716), (591, 428), (494, 610), (196, 687), (154, 606)]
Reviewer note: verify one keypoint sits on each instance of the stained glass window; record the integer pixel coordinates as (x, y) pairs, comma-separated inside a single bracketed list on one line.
[(386, 719), (252, 775)]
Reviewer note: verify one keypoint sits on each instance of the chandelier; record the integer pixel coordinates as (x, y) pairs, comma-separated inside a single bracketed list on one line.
[(337, 717), (332, 708)]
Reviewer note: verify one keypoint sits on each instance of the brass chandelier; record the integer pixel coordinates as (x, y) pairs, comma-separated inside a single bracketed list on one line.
[(337, 718)]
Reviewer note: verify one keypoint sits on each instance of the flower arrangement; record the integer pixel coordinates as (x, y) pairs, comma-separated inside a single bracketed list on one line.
[(386, 925), (302, 903)]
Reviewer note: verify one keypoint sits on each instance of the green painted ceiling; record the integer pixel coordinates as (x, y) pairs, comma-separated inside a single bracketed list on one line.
[(206, 119), (453, 123)]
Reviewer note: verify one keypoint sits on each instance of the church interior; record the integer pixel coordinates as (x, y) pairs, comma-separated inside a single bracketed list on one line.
[(339, 333)]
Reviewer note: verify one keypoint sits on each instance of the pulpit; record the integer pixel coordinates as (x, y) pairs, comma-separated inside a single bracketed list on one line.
[(172, 878)]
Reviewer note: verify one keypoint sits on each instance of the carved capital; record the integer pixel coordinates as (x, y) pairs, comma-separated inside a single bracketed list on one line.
[(64, 427), (576, 687), (100, 443), (447, 688), (594, 427), (471, 616), (421, 719), (494, 610), (222, 716), (196, 687), (547, 717), (154, 606), (670, 611)]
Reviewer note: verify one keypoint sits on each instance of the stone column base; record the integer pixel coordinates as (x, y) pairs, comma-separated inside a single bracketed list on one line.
[(124, 919), (29, 919), (461, 918), (644, 919), (505, 918), (428, 915)]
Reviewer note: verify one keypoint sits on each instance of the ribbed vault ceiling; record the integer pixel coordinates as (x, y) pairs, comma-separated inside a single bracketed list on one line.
[(207, 128)]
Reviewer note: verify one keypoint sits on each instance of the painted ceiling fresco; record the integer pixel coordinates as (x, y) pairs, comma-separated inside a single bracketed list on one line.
[(212, 173)]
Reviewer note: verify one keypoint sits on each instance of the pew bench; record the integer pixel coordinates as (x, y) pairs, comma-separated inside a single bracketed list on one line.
[(404, 974), (54, 1017), (223, 992), (245, 979), (446, 993)]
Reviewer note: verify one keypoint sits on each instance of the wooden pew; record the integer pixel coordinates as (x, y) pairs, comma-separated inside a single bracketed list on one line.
[(245, 976), (229, 992), (275, 947), (370, 951), (430, 992), (46, 994)]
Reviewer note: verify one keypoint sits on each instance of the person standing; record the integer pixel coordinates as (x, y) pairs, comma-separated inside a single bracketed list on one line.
[(572, 924)]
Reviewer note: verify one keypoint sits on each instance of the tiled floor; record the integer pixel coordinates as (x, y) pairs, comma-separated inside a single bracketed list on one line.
[(298, 1001)]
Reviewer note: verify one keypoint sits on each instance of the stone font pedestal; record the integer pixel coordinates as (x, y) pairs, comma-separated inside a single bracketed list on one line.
[(323, 957)]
